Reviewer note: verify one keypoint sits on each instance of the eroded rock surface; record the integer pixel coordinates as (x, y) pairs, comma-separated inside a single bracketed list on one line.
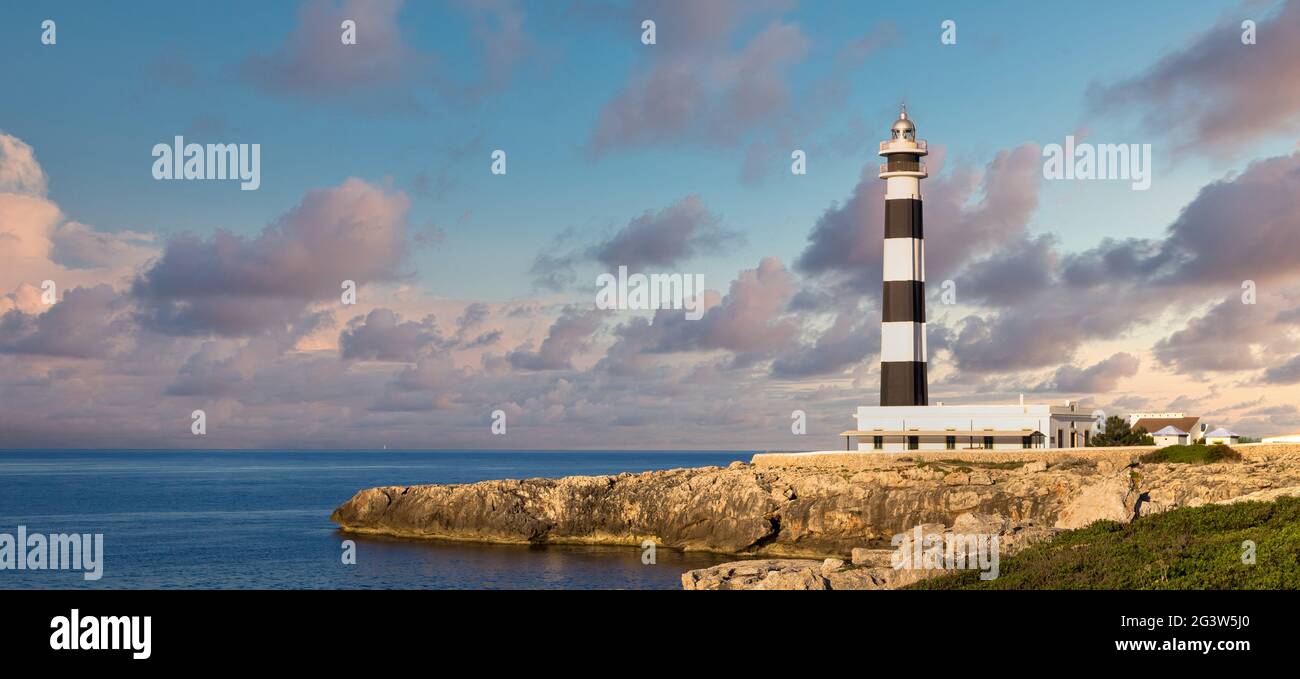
[(808, 512)]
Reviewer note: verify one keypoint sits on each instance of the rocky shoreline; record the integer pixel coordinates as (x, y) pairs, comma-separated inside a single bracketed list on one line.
[(821, 511)]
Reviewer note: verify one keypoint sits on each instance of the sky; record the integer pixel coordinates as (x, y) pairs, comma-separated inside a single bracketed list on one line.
[(476, 291)]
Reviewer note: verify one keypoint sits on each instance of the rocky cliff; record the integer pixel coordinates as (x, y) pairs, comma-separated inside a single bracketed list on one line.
[(820, 510)]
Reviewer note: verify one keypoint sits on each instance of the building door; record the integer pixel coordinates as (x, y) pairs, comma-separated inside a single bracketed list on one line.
[(913, 442), (1060, 438)]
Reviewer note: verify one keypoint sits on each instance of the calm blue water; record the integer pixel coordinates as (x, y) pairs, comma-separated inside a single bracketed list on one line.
[(233, 520)]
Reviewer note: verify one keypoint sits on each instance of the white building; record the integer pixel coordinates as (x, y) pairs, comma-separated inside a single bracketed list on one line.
[(1170, 436), (1283, 438), (1134, 417), (1222, 435), (1154, 422), (964, 427)]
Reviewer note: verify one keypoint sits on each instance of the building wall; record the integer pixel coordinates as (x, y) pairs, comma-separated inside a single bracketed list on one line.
[(895, 444), (1063, 426)]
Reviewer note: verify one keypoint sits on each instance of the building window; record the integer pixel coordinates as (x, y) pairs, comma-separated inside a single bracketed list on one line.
[(988, 443), (878, 442), (913, 442), (1085, 438), (1026, 441), (950, 442)]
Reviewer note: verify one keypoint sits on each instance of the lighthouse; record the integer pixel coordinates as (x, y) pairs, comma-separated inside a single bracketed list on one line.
[(902, 327), (905, 420)]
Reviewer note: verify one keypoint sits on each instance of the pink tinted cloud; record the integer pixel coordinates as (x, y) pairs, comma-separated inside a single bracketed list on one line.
[(232, 285), (1217, 93)]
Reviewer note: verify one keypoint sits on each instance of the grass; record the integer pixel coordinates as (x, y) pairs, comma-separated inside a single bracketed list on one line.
[(1196, 453), (967, 466), (1016, 464), (1187, 548)]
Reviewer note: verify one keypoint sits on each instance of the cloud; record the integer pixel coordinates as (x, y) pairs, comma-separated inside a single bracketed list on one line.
[(213, 373), (1197, 259), (570, 335), (1230, 336), (967, 213), (1285, 373), (382, 336), (692, 86), (749, 322), (1217, 94), (664, 239), (851, 339), (314, 62), (382, 71), (86, 323), (19, 171), (1287, 409), (1263, 205), (1017, 339), (1104, 376), (231, 285), (1016, 272), (433, 383), (498, 28), (78, 246)]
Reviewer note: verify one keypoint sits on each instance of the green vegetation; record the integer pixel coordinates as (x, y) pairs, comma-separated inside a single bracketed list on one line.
[(1197, 453), (1118, 433), (967, 466), (1187, 548), (988, 465)]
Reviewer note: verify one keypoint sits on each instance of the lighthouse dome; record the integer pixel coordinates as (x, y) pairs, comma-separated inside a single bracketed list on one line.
[(903, 128)]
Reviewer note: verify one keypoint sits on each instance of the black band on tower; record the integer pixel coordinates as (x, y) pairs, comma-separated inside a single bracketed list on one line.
[(903, 383), (903, 218), (904, 301)]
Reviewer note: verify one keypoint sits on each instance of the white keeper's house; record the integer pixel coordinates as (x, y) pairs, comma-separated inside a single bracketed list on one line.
[(965, 427), (904, 420)]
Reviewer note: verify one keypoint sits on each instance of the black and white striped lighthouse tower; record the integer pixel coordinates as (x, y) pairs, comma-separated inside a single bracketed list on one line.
[(902, 328)]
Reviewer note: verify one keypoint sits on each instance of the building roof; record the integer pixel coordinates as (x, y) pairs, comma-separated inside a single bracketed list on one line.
[(1171, 430), (1187, 424), (1220, 433)]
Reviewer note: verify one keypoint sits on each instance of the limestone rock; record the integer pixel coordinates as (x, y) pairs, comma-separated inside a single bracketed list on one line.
[(1112, 499), (808, 510), (986, 524), (801, 574), (877, 558)]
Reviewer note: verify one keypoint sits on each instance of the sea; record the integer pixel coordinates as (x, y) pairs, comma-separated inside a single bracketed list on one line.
[(260, 520)]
